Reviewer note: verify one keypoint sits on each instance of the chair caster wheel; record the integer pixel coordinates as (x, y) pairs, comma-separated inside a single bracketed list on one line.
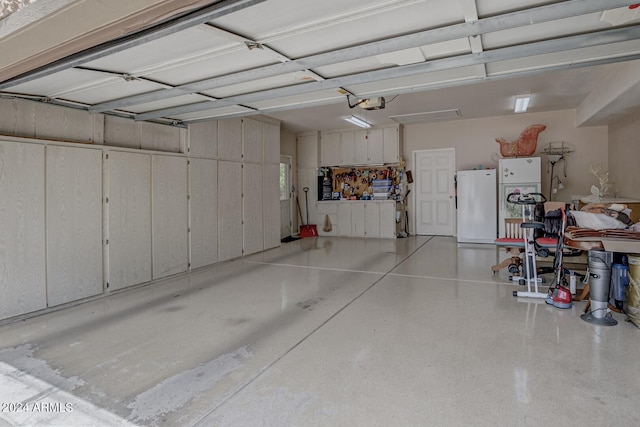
[(515, 293), (522, 282)]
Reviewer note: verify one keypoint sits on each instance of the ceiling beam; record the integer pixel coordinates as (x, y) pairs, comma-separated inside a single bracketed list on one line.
[(468, 29), (171, 26), (502, 54)]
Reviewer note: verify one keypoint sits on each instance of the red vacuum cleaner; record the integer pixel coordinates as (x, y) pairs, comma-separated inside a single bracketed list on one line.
[(560, 295), (308, 230)]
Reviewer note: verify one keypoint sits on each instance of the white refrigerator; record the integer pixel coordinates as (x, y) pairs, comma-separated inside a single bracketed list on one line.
[(517, 175), (477, 206)]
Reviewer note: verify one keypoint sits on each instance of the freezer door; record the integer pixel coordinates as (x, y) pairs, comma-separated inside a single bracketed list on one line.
[(525, 169), (477, 207)]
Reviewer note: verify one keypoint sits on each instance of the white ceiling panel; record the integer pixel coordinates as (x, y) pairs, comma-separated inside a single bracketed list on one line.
[(314, 27), (167, 103), (544, 31), (267, 23), (281, 56), (115, 87), (326, 96), (351, 67), (493, 7), (407, 84), (71, 79), (176, 48), (214, 113), (284, 80), (563, 58), (228, 62)]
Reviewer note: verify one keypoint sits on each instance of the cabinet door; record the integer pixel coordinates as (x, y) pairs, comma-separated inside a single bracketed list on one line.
[(170, 217), (252, 140), (229, 210), (230, 139), (388, 219), (203, 191), (344, 219), (253, 227), (375, 146), (372, 219), (23, 283), (357, 219), (330, 150), (129, 219), (391, 145), (203, 139), (361, 148), (271, 140), (348, 148), (308, 151), (74, 224), (271, 205)]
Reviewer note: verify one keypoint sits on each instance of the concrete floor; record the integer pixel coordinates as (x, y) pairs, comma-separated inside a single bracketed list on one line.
[(324, 332)]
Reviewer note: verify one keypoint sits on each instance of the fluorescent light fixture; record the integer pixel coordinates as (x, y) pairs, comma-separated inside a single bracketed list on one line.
[(522, 102), (358, 122)]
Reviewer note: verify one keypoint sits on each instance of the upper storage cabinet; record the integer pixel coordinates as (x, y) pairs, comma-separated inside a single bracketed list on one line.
[(308, 152), (330, 148), (364, 147)]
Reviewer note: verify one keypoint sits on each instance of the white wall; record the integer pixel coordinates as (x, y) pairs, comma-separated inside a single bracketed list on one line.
[(474, 142), (624, 157)]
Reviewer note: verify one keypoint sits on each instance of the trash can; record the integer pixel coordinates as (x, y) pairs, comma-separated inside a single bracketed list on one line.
[(619, 283)]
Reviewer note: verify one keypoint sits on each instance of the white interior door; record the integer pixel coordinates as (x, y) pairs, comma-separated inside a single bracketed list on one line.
[(434, 192), (285, 197)]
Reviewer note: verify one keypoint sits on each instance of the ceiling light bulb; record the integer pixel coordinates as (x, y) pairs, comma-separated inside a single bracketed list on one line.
[(357, 121), (522, 102)]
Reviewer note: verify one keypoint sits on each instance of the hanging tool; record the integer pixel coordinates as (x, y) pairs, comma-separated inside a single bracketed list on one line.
[(308, 230)]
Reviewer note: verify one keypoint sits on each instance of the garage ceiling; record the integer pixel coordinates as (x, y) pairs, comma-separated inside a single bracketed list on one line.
[(304, 62)]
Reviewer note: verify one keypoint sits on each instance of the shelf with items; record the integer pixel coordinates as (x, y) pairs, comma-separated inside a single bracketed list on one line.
[(366, 183)]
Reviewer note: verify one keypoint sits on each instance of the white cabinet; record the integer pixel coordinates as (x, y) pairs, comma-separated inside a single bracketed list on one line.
[(203, 201), (170, 215), (371, 219), (74, 224), (230, 139), (252, 141), (344, 218), (271, 140), (387, 220), (375, 146), (253, 226), (368, 147), (229, 210), (357, 219), (348, 148), (203, 139), (22, 229), (271, 205), (392, 149), (362, 147), (129, 219), (325, 210), (330, 149), (308, 151)]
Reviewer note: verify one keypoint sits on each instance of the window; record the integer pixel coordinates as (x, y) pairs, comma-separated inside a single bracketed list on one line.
[(284, 181)]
